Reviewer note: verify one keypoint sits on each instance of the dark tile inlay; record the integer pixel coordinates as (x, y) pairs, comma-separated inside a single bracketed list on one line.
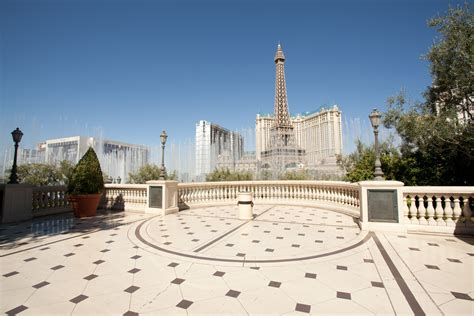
[(318, 241), (255, 241), (269, 250), (279, 237), (429, 266), (219, 273), (130, 313), (462, 296), (69, 254), (98, 262), (233, 293), (303, 308), (134, 270), (376, 284), (195, 240), (255, 268), (173, 264), (343, 295), (310, 275), (454, 260), (414, 249), (90, 277), (105, 250), (131, 289), (30, 259), (177, 281), (240, 254), (295, 245), (45, 248), (109, 242), (368, 261), (16, 310), (274, 284), (229, 245), (341, 268), (471, 254), (78, 299), (40, 285), (184, 304), (57, 267), (433, 244), (135, 257), (340, 237), (78, 245)]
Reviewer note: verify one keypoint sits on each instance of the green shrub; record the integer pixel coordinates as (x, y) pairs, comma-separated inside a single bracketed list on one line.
[(87, 176)]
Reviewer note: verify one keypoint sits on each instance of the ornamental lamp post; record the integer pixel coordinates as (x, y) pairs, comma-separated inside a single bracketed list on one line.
[(16, 135), (375, 117), (163, 138)]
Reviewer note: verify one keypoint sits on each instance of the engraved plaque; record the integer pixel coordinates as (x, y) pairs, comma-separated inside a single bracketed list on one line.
[(156, 196), (382, 206)]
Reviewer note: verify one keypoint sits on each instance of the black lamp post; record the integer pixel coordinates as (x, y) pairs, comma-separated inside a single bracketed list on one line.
[(375, 117), (163, 138), (16, 135)]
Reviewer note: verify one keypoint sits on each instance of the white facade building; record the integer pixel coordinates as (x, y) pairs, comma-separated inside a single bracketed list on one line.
[(318, 133), (213, 141), (117, 159)]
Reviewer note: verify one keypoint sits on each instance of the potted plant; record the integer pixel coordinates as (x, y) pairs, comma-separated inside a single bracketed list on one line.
[(86, 185)]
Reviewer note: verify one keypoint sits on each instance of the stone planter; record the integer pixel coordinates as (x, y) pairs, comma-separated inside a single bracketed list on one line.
[(85, 205)]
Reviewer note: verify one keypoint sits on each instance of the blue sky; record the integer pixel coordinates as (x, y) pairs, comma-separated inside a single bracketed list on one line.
[(129, 69)]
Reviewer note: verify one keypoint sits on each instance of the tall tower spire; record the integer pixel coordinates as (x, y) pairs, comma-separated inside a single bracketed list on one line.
[(282, 116), (283, 153)]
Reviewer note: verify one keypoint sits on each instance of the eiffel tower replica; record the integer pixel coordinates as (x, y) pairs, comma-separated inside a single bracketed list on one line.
[(283, 152)]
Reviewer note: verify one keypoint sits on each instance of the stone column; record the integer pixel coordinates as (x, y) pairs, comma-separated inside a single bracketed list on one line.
[(381, 206), (162, 197), (17, 202)]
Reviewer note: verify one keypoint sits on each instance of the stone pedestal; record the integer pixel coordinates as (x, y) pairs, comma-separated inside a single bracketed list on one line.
[(245, 202), (162, 197), (16, 202), (381, 205)]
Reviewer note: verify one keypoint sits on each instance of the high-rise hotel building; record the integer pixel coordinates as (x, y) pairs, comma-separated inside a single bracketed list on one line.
[(213, 141), (319, 133)]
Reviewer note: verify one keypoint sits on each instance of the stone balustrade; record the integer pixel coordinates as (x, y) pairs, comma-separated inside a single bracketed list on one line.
[(438, 206), (48, 200), (337, 195), (127, 197)]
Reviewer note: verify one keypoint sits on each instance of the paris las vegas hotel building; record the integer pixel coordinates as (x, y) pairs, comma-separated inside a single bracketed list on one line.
[(319, 133)]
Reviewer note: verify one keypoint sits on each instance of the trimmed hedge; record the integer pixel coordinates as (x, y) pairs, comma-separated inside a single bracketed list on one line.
[(87, 175)]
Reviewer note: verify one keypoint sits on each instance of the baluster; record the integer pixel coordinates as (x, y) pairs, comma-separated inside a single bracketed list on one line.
[(406, 210), (439, 212), (466, 210), (430, 211), (457, 212), (422, 210), (448, 211)]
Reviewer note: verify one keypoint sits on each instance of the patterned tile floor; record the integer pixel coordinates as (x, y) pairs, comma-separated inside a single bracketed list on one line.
[(287, 260)]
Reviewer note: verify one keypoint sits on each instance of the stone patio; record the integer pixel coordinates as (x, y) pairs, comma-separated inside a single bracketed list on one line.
[(287, 260)]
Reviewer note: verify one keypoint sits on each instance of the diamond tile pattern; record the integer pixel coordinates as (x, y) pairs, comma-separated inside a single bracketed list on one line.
[(78, 299), (303, 308), (233, 293), (131, 281), (184, 304)]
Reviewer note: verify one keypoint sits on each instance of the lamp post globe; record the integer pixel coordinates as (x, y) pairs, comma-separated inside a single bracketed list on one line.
[(163, 138), (16, 136), (375, 119)]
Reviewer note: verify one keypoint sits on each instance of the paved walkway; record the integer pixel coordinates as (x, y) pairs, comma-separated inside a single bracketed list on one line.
[(287, 260)]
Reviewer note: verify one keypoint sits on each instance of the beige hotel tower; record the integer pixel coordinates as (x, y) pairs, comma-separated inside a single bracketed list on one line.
[(318, 134)]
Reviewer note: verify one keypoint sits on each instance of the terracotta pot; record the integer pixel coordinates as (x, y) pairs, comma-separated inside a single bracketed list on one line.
[(85, 204)]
